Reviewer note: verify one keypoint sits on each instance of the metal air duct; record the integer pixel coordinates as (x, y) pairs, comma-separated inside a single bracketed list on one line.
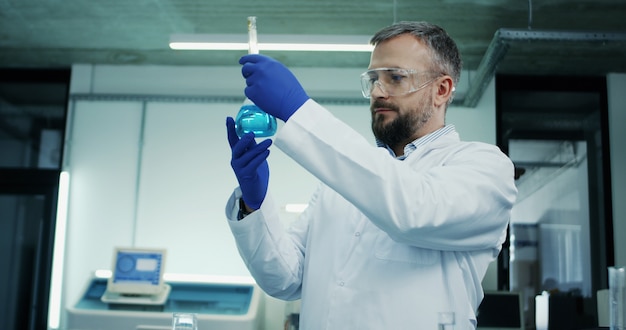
[(505, 38)]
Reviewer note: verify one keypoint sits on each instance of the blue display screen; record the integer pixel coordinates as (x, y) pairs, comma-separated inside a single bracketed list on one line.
[(138, 268)]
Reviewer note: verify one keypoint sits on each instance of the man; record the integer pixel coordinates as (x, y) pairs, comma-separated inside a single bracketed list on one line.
[(394, 235)]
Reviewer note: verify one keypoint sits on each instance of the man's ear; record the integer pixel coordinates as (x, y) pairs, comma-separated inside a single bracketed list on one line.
[(445, 90)]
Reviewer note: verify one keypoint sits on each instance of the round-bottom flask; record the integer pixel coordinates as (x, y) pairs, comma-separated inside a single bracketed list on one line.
[(252, 119)]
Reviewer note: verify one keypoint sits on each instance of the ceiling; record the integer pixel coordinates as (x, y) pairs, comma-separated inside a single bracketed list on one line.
[(56, 33)]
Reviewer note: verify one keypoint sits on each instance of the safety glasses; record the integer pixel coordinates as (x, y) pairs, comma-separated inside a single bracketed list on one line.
[(393, 81)]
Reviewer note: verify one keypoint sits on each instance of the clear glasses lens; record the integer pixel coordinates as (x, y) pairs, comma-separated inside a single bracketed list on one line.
[(392, 81)]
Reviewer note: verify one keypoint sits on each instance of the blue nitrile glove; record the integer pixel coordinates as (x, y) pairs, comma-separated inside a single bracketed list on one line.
[(272, 86), (249, 162)]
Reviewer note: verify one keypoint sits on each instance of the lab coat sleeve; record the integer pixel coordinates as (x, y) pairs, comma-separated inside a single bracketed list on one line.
[(462, 204), (273, 257)]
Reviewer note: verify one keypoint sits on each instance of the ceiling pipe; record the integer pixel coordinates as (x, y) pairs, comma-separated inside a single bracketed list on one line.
[(501, 42)]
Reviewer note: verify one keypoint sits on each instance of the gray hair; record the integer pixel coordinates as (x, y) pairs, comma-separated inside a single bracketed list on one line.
[(446, 57)]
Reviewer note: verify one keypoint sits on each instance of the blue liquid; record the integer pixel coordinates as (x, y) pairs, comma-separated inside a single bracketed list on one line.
[(252, 119)]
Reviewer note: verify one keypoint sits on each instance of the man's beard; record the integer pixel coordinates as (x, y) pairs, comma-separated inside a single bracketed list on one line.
[(404, 126)]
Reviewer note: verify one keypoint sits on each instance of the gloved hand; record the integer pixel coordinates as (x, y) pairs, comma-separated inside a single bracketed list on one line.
[(271, 86), (249, 162)]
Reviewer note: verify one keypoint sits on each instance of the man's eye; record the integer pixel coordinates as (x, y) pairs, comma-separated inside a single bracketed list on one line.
[(396, 78)]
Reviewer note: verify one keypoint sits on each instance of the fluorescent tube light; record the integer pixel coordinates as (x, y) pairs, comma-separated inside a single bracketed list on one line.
[(56, 282), (195, 278), (272, 42), (201, 278)]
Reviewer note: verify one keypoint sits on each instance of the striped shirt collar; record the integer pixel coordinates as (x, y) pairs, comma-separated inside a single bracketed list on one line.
[(409, 148)]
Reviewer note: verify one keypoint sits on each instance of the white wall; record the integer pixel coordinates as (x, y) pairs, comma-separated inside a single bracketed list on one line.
[(149, 171)]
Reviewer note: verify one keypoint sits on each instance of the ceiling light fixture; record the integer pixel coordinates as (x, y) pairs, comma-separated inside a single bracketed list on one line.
[(272, 42)]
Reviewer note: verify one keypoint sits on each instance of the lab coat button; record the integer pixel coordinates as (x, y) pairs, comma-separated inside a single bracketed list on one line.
[(341, 283), (357, 234)]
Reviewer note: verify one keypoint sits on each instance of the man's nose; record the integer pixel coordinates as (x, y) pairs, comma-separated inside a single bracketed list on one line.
[(378, 91)]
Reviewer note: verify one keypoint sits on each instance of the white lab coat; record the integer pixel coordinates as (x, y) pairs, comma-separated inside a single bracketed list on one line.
[(384, 243)]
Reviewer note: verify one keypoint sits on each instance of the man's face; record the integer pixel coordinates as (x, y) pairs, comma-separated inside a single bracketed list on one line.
[(393, 125), (399, 119)]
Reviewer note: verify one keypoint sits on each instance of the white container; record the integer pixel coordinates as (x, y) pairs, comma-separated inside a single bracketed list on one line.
[(617, 298)]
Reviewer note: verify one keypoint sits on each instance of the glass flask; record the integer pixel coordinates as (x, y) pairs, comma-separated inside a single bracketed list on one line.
[(251, 118)]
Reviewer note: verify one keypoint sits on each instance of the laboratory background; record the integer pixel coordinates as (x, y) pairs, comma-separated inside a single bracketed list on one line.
[(112, 135)]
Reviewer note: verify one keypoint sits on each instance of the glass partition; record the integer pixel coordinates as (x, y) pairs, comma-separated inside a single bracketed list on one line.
[(555, 130)]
